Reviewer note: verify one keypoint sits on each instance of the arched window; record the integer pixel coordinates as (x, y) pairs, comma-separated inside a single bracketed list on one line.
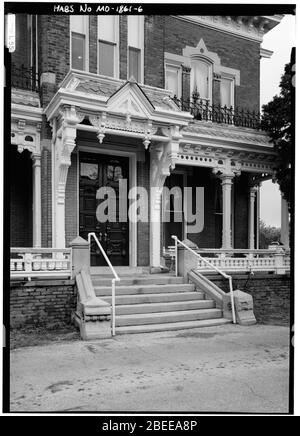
[(201, 77)]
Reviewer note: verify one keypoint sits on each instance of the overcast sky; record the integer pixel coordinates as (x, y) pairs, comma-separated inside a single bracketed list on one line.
[(280, 40)]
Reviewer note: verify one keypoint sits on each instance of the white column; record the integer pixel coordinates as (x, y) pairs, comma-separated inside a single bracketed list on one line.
[(251, 222), (64, 144), (36, 194), (226, 181), (257, 215), (155, 227), (285, 228)]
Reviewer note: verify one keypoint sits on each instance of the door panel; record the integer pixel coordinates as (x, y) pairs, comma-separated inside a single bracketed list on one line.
[(97, 171)]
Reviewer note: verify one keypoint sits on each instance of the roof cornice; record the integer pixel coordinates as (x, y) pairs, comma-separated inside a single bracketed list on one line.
[(252, 28)]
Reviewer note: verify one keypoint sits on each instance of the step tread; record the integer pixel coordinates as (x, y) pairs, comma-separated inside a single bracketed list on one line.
[(170, 314), (161, 297), (166, 286), (182, 325), (165, 307)]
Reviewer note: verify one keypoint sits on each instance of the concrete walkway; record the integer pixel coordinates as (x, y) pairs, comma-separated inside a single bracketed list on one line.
[(221, 369)]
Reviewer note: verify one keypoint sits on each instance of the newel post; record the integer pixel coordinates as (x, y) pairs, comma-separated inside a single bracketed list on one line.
[(80, 255)]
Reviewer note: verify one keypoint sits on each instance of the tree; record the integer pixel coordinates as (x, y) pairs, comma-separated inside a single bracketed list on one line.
[(277, 120), (267, 235)]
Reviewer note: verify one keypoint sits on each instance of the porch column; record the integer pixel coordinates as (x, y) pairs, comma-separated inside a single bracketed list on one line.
[(163, 157), (155, 227), (285, 230), (36, 195), (251, 220), (64, 136), (257, 215), (226, 181)]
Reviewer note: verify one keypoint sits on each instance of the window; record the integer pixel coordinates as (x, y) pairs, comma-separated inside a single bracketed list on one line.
[(108, 43), (227, 92), (135, 27), (173, 79), (201, 78), (79, 42)]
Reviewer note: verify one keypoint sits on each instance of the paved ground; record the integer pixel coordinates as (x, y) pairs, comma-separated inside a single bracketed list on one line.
[(226, 368)]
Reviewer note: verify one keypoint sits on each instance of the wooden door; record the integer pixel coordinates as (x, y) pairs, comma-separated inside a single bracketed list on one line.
[(97, 171)]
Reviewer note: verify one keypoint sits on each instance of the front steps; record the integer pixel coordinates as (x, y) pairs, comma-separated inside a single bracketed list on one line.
[(156, 302)]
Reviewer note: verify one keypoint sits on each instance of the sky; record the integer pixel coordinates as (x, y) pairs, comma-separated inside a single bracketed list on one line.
[(280, 40)]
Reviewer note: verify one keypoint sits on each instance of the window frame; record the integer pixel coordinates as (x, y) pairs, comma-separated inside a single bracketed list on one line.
[(141, 48), (178, 68), (115, 43), (232, 88), (86, 35)]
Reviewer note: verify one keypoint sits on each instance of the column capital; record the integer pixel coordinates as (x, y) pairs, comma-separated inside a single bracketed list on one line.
[(227, 169)]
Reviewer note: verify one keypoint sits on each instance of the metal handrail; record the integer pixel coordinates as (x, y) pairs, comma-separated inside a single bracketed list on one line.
[(226, 276), (113, 282)]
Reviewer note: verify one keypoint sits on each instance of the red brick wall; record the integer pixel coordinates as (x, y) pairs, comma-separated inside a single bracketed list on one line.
[(46, 184), (271, 296), (93, 36), (234, 52), (154, 50), (72, 202), (42, 303), (54, 50), (143, 229), (123, 47), (20, 198), (241, 198)]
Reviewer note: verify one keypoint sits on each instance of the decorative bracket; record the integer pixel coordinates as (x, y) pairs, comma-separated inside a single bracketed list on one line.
[(100, 123)]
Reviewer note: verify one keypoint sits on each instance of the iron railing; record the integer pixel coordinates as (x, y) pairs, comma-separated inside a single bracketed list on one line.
[(202, 110), (113, 282), (210, 266), (24, 78)]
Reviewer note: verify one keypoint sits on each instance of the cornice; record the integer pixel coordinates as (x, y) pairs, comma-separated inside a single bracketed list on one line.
[(252, 28)]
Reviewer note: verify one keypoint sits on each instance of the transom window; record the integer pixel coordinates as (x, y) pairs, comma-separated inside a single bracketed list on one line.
[(79, 42), (108, 45), (135, 25)]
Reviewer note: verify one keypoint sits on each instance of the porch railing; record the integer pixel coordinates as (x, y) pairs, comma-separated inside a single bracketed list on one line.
[(113, 282), (40, 262), (203, 111), (24, 78), (210, 266), (243, 260)]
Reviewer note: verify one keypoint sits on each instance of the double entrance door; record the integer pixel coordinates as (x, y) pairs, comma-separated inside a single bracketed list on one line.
[(97, 171)]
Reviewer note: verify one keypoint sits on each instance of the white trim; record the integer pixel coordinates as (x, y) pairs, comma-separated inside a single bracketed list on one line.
[(132, 183), (265, 53), (231, 73)]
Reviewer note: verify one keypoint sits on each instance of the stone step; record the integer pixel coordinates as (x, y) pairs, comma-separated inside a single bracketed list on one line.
[(173, 306), (148, 328), (160, 318), (159, 279), (156, 298), (121, 270), (143, 289)]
